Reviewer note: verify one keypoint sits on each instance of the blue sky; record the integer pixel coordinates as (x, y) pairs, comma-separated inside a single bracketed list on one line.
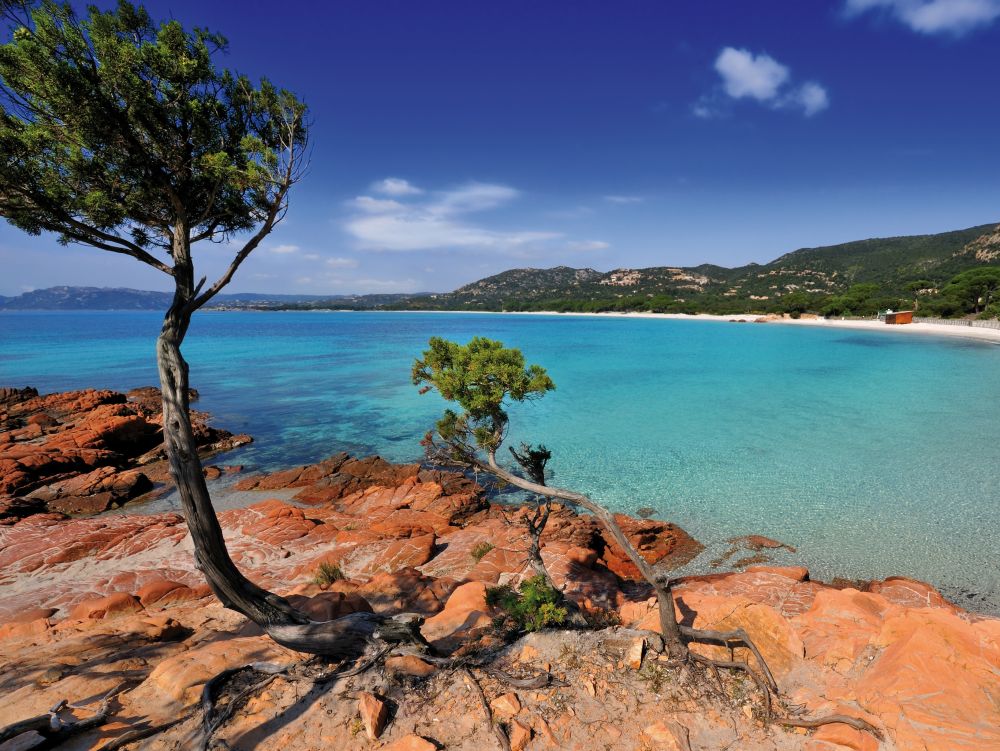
[(453, 140)]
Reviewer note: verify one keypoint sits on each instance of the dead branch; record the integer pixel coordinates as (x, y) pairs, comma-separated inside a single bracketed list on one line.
[(542, 680), (854, 722), (499, 732), (53, 728)]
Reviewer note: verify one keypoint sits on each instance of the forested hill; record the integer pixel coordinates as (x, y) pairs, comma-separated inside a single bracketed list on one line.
[(889, 270)]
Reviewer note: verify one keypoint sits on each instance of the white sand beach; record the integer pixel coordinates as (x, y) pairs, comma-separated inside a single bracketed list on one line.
[(918, 329)]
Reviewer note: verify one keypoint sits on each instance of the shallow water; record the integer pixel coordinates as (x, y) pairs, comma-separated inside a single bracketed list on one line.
[(873, 453)]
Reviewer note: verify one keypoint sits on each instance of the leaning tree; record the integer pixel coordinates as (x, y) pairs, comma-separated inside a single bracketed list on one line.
[(482, 378), (122, 134)]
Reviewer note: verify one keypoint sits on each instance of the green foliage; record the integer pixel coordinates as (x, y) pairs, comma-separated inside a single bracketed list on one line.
[(327, 574), (974, 288), (480, 377), (481, 549), (124, 128), (533, 607)]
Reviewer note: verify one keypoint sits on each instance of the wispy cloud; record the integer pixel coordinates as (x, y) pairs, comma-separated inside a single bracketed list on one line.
[(284, 249), (954, 17), (341, 263), (624, 199), (761, 78), (396, 186), (439, 221)]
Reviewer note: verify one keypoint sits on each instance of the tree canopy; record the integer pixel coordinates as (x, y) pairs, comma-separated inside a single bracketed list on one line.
[(122, 134), (975, 287), (481, 377)]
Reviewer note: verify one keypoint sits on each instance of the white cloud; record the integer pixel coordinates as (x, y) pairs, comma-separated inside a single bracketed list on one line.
[(954, 17), (811, 97), (472, 197), (761, 78), (747, 75), (436, 221), (396, 186), (284, 249), (311, 256), (624, 199), (341, 263)]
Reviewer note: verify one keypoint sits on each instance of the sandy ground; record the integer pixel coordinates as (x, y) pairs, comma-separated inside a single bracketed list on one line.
[(926, 329)]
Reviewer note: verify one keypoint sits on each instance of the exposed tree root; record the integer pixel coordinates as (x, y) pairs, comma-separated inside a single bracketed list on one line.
[(737, 637), (139, 734), (499, 732)]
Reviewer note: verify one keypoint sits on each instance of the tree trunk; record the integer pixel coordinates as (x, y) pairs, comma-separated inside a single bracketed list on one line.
[(232, 588), (344, 638)]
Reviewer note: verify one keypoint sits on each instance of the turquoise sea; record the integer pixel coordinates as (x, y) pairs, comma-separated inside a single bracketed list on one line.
[(874, 454)]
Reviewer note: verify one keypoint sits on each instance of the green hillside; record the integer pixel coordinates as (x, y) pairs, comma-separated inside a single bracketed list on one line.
[(856, 277)]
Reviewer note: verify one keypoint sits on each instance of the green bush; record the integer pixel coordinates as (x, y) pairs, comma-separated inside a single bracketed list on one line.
[(533, 607)]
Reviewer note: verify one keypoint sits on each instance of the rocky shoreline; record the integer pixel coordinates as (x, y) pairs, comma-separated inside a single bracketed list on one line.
[(83, 452), (94, 604)]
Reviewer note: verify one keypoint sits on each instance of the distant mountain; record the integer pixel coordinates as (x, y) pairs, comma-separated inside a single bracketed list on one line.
[(87, 298), (121, 298)]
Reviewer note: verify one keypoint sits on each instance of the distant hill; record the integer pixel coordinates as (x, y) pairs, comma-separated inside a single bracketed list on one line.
[(87, 298), (811, 277), (889, 263), (122, 298)]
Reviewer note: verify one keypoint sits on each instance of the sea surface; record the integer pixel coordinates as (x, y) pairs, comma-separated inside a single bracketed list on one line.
[(874, 454)]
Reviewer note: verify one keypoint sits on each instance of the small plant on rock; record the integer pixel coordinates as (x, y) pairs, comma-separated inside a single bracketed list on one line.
[(534, 606), (481, 549), (327, 574)]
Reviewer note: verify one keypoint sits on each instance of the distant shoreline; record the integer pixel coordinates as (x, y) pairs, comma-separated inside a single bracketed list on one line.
[(925, 329), (920, 329)]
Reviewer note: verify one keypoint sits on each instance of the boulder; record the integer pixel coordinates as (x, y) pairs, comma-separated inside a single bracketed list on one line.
[(104, 607), (465, 611)]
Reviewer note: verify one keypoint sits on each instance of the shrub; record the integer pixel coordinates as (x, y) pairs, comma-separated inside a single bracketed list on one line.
[(481, 549), (533, 607), (327, 574)]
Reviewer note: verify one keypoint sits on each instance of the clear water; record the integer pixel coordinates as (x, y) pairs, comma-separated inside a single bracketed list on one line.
[(874, 454)]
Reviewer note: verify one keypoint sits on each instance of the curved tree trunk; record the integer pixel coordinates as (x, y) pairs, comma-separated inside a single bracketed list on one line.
[(676, 646), (344, 637), (232, 588)]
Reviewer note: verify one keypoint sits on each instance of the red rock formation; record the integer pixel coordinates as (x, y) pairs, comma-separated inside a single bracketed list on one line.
[(77, 452), (897, 655)]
